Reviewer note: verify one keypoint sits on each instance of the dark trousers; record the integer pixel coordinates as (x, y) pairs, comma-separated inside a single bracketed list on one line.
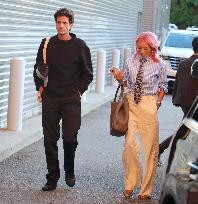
[(53, 110), (164, 145)]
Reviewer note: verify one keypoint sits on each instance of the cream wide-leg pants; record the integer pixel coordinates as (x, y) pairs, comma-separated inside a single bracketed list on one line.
[(143, 120)]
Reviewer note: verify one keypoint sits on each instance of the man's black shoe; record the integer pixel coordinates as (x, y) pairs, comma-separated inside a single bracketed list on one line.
[(70, 180), (49, 187)]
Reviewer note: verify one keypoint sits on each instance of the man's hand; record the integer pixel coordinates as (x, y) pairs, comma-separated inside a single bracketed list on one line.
[(39, 94)]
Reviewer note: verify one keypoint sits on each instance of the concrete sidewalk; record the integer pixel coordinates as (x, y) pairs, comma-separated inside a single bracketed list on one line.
[(13, 141)]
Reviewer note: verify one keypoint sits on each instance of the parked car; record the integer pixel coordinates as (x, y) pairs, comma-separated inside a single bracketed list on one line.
[(192, 28), (172, 26), (180, 178), (176, 47)]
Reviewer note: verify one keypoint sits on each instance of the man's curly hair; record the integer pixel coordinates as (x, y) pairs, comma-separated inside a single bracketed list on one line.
[(65, 12)]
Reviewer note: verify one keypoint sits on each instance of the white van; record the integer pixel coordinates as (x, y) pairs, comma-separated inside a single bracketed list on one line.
[(176, 47)]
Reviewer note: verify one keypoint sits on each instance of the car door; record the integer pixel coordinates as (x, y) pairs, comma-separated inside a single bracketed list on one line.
[(180, 184)]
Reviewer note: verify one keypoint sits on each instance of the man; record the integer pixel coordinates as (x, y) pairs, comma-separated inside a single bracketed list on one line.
[(70, 73), (185, 88)]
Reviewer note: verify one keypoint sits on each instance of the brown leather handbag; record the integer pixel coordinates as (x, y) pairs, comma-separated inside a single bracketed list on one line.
[(119, 114)]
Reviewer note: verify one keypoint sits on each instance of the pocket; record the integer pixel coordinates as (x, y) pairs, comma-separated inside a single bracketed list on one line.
[(149, 105), (77, 94)]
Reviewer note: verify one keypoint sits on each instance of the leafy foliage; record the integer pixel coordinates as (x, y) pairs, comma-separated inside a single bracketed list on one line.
[(184, 13)]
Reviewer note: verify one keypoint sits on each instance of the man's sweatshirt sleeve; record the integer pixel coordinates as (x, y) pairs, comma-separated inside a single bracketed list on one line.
[(38, 82), (86, 75)]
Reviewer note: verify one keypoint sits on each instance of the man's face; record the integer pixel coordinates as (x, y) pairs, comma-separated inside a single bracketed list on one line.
[(63, 25)]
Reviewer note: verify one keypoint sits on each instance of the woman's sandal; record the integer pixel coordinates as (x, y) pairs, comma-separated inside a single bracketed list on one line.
[(144, 197), (128, 193)]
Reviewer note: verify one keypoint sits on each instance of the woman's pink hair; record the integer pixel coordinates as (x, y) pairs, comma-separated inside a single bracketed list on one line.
[(151, 39)]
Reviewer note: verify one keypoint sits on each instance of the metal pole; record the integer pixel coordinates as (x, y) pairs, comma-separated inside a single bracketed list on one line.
[(16, 92), (127, 54), (115, 63), (100, 71)]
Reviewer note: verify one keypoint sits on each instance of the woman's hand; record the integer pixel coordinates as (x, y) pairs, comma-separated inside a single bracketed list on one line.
[(158, 104), (160, 98), (117, 73)]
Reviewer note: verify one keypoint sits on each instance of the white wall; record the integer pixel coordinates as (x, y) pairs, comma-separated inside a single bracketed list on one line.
[(105, 24)]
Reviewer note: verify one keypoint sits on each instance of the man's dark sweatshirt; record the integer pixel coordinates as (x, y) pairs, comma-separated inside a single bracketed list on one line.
[(70, 67)]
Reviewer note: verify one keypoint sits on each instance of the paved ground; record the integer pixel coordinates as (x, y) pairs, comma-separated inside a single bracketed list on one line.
[(99, 169)]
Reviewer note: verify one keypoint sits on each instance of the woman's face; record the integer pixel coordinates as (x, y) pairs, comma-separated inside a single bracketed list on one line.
[(143, 48)]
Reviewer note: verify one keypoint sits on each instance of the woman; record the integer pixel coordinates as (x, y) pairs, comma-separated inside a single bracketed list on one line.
[(145, 76)]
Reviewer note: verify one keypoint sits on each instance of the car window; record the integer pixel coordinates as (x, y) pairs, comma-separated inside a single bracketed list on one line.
[(179, 40), (195, 113), (186, 151)]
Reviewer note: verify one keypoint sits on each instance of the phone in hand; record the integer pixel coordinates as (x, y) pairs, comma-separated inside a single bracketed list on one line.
[(112, 69)]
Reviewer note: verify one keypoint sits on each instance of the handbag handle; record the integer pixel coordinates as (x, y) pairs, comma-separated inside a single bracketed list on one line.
[(121, 93), (116, 93)]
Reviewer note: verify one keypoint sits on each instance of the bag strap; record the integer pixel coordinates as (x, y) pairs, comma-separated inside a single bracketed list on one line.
[(121, 93), (44, 49), (121, 97), (116, 93)]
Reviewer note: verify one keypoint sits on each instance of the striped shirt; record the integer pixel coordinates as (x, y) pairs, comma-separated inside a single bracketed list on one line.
[(154, 75)]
